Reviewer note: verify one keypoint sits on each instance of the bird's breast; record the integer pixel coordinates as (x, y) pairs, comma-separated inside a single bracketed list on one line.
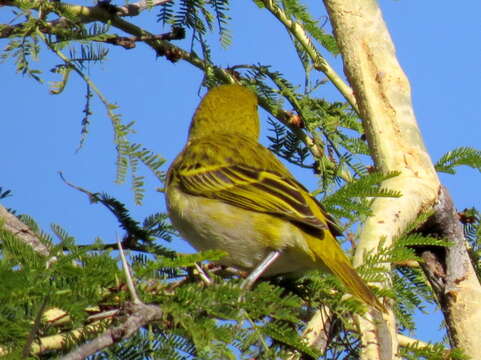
[(246, 236)]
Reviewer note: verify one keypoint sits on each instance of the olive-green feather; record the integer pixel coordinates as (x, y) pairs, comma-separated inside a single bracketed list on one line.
[(224, 161)]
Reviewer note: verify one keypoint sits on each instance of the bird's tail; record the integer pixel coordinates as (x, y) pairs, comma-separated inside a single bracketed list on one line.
[(334, 259)]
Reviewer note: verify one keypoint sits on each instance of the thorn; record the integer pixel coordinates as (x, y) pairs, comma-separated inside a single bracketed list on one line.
[(203, 275), (128, 275)]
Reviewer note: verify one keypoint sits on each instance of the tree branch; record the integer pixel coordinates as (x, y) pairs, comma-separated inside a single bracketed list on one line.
[(86, 14), (138, 315), (320, 63), (383, 97), (136, 8), (13, 225), (132, 9), (453, 278), (406, 341), (318, 330)]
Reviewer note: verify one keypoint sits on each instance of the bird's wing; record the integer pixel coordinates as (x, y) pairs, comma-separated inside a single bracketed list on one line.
[(257, 190)]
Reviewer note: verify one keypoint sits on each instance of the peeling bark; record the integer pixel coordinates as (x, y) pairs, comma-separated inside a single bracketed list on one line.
[(453, 279)]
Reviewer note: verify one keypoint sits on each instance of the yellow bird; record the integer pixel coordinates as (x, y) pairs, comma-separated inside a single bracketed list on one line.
[(226, 191)]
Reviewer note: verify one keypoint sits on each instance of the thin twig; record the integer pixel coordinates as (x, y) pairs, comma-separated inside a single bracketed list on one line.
[(35, 327), (177, 33), (172, 53), (320, 63), (103, 315)]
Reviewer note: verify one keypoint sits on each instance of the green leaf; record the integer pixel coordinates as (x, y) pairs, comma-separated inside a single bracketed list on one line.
[(457, 157)]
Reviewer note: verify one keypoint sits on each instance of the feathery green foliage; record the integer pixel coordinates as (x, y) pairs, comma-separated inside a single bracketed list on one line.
[(300, 12), (5, 193), (287, 145), (353, 200), (199, 17), (434, 352), (84, 49), (31, 283), (137, 236), (206, 314), (410, 288), (457, 157), (471, 220)]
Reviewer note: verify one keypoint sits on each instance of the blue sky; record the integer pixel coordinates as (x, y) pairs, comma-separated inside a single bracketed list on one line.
[(438, 45)]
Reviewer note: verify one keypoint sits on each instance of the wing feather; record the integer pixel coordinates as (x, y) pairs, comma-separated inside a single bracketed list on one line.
[(256, 190), (243, 173)]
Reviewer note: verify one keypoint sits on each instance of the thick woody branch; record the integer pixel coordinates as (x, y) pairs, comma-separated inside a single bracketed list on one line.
[(453, 279), (383, 98), (318, 331), (127, 42), (13, 225), (57, 342)]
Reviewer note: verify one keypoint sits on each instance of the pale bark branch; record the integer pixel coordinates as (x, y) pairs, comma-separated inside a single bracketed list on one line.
[(13, 225), (383, 97), (318, 331), (406, 341), (56, 342)]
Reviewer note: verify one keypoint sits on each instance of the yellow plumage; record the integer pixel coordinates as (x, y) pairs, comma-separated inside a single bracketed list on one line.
[(226, 191)]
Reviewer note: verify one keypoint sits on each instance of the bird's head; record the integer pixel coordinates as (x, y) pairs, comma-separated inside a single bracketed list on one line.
[(226, 109)]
